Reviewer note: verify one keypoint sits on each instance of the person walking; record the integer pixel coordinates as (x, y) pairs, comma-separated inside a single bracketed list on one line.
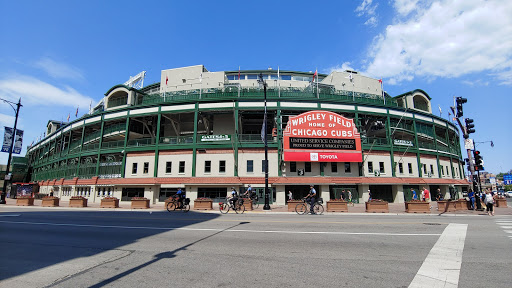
[(414, 195), (290, 195), (369, 195), (489, 203)]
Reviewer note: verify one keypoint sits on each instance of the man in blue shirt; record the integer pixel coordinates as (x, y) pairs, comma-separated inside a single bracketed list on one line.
[(471, 196), (180, 195), (414, 195)]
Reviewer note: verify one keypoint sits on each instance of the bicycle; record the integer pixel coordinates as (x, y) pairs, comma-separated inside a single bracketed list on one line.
[(237, 206), (302, 208), (174, 205), (254, 199)]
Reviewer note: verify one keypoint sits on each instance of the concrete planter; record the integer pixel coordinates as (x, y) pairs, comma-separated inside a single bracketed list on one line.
[(502, 203), (248, 204), (25, 201), (79, 203), (446, 206), (50, 202), (109, 203), (337, 206), (417, 207), (140, 203), (461, 204), (200, 204), (292, 204), (377, 207)]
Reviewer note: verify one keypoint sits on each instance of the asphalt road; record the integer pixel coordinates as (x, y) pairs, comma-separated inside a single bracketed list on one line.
[(45, 248)]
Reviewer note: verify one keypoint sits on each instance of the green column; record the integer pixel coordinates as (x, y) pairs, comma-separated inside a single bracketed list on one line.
[(194, 149), (236, 141), (127, 134), (279, 140), (99, 148), (80, 152), (155, 174), (418, 159), (391, 144)]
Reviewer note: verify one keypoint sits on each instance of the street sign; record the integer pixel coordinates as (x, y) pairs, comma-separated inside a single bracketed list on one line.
[(469, 144)]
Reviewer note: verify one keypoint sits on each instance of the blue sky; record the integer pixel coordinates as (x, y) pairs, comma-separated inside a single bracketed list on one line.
[(57, 55)]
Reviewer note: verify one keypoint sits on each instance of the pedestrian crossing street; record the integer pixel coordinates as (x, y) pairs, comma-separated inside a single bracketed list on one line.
[(506, 225)]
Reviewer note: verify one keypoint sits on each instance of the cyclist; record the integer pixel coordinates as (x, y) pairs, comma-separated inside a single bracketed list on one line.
[(179, 197), (234, 197), (311, 198), (248, 192)]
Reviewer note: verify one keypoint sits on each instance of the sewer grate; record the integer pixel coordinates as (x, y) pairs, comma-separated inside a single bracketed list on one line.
[(431, 223)]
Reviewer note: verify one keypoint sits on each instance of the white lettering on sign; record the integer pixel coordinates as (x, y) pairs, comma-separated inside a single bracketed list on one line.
[(329, 157)]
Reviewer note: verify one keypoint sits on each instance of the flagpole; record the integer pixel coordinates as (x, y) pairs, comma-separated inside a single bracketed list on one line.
[(4, 192), (317, 94), (278, 83), (267, 196)]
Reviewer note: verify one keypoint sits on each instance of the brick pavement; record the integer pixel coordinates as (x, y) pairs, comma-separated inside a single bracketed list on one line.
[(394, 208)]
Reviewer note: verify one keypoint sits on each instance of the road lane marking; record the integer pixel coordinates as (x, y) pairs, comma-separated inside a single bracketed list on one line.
[(222, 229), (441, 268)]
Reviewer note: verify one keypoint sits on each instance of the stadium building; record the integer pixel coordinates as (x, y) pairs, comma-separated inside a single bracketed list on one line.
[(202, 131)]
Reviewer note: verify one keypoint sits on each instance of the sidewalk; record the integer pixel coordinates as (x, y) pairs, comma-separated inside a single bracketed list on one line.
[(394, 209)]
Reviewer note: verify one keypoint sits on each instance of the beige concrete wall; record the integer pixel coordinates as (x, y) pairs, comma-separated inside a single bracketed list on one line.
[(257, 164), (175, 159), (215, 160), (376, 159), (359, 83), (140, 160)]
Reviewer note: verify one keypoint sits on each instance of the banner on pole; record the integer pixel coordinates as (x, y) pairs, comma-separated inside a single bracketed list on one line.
[(8, 134), (18, 142)]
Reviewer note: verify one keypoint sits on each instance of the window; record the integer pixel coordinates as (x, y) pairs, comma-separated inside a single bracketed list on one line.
[(168, 167), (250, 166), (347, 167), (222, 166), (447, 171), (263, 166), (432, 169), (370, 167), (207, 166), (182, 167), (293, 166), (134, 168), (286, 77), (381, 167), (308, 166), (400, 168), (334, 167), (254, 76), (146, 167), (442, 170), (410, 167), (424, 168)]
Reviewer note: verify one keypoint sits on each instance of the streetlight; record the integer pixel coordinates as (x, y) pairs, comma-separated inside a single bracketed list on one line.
[(17, 110), (264, 138)]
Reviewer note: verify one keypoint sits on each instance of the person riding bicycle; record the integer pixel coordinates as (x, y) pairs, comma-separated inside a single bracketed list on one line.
[(248, 193), (311, 198), (179, 197), (234, 197)]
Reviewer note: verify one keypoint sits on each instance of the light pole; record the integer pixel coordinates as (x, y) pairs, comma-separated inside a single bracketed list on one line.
[(17, 111), (264, 136)]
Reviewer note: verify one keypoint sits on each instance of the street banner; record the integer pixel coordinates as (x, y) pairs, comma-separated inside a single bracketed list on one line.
[(18, 142), (8, 133), (321, 136)]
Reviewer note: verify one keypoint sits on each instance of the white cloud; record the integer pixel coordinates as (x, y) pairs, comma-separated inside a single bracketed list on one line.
[(343, 67), (367, 8), (445, 39), (59, 70), (6, 120), (37, 92)]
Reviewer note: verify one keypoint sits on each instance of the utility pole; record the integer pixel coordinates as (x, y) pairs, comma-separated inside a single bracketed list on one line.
[(7, 170)]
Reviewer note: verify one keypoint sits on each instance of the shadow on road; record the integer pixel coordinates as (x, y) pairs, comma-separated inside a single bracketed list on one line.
[(37, 239)]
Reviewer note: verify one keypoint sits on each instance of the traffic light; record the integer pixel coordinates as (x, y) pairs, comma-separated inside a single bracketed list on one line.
[(478, 160), (460, 101), (469, 127)]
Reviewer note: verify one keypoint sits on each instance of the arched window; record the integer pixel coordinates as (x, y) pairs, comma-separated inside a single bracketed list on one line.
[(118, 98), (421, 103)]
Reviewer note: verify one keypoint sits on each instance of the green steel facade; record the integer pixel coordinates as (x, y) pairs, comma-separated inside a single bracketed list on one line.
[(228, 119)]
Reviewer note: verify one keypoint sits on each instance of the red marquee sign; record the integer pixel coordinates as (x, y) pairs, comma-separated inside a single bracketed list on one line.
[(321, 136)]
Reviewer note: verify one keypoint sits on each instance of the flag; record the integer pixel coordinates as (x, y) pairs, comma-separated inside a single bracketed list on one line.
[(264, 129), (166, 80), (90, 106), (238, 72), (76, 113), (315, 75), (380, 81), (8, 135), (18, 142), (69, 114), (440, 111)]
